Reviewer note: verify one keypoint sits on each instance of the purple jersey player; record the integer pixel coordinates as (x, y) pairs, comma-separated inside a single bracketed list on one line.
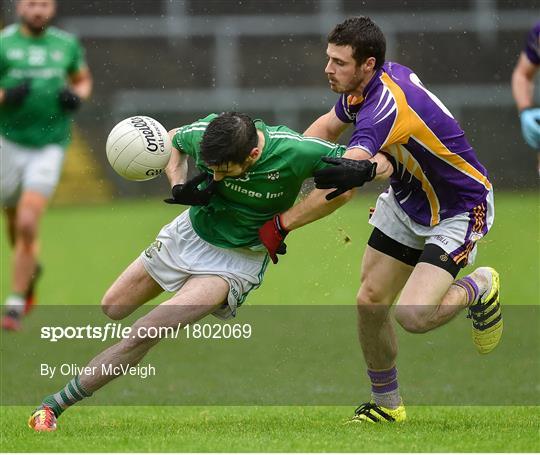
[(523, 89), (439, 204), (436, 173)]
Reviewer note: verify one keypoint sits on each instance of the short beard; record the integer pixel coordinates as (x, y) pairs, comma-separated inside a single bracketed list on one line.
[(36, 30)]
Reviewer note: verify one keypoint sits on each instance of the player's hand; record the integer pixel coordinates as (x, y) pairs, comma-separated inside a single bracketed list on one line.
[(530, 126), (272, 235), (189, 193), (344, 175), (69, 100), (14, 96)]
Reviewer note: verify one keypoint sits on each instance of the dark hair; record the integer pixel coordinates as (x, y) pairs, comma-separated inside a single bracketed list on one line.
[(229, 138), (364, 36)]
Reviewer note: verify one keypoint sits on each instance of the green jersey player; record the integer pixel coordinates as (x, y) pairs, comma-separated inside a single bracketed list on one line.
[(43, 78), (210, 256)]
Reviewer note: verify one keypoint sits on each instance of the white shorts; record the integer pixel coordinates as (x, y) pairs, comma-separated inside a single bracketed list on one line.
[(457, 235), (178, 253), (25, 168)]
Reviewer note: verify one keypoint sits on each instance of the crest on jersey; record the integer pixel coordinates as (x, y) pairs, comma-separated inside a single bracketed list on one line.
[(273, 175), (36, 56), (475, 236)]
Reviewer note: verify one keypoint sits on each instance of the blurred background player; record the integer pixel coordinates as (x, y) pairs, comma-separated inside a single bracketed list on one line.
[(523, 89), (439, 204), (210, 256), (43, 79)]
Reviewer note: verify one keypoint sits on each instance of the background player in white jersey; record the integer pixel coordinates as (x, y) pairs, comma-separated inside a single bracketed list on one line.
[(523, 89), (426, 225), (211, 256), (43, 78)]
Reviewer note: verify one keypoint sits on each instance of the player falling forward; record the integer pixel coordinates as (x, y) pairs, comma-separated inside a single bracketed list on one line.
[(43, 78), (426, 225), (210, 256)]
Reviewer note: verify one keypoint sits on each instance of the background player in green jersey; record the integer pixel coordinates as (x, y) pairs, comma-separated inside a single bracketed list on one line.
[(210, 257), (43, 78)]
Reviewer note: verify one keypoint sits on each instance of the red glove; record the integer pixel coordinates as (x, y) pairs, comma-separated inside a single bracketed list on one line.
[(272, 235)]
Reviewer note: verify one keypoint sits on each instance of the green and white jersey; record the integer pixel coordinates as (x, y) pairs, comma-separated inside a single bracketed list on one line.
[(46, 61), (242, 205)]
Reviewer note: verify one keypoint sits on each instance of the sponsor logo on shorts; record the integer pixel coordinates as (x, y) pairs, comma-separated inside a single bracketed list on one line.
[(443, 257), (154, 246), (441, 239), (235, 292)]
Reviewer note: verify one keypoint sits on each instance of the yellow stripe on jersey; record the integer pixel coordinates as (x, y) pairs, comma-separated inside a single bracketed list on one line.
[(401, 129), (433, 144), (405, 157), (408, 123)]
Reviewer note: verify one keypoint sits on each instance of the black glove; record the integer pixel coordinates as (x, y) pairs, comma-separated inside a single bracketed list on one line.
[(344, 175), (69, 101), (14, 96), (189, 194)]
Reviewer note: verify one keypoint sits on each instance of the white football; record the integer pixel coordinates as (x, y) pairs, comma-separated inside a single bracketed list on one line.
[(138, 148)]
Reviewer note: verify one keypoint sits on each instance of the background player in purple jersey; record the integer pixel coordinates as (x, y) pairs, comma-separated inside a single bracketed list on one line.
[(440, 202), (523, 89)]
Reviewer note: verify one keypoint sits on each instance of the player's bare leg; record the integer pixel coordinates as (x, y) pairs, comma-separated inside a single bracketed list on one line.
[(382, 279), (23, 226), (10, 216), (429, 299), (432, 297), (132, 288), (200, 296)]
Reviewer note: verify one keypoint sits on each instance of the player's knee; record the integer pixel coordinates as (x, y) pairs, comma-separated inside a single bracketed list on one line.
[(411, 319), (140, 340), (26, 229), (371, 302), (369, 295), (108, 307)]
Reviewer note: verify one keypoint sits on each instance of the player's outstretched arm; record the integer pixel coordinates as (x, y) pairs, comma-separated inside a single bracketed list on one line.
[(186, 192), (523, 82), (177, 167), (317, 205), (81, 83), (78, 90), (327, 126), (523, 92)]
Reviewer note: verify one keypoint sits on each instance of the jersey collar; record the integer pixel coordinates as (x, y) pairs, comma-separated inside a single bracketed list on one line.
[(261, 126)]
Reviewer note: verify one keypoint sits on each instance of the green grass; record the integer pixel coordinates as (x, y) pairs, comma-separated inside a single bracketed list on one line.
[(84, 249), (275, 429)]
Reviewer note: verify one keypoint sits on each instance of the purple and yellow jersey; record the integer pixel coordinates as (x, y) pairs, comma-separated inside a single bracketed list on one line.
[(436, 172), (532, 45)]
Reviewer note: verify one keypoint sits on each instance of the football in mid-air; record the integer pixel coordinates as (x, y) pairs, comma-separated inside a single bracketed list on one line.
[(138, 148)]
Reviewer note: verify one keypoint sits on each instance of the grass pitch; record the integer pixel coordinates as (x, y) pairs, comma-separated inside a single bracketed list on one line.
[(85, 248)]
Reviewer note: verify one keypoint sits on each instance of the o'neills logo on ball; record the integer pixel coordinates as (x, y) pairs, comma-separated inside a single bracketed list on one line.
[(153, 143)]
